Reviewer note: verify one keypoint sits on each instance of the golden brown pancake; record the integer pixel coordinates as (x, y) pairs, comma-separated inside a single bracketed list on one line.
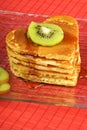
[(41, 60), (18, 41), (45, 79), (59, 64), (42, 67), (36, 71)]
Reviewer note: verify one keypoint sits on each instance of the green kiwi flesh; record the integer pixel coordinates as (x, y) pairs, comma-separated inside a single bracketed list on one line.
[(45, 34), (4, 75), (4, 88)]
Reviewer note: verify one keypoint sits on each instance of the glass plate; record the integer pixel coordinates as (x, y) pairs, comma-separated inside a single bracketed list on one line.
[(42, 93)]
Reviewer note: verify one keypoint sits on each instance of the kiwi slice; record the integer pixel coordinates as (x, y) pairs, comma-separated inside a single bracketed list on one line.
[(4, 88), (4, 75), (45, 34)]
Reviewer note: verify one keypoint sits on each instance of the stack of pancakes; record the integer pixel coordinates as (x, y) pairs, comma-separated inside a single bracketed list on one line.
[(59, 64)]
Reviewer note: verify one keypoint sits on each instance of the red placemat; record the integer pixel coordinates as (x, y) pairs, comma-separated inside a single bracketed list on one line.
[(76, 8), (30, 116)]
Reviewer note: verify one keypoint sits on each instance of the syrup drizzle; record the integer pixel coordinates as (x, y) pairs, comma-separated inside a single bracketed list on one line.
[(31, 84), (83, 73)]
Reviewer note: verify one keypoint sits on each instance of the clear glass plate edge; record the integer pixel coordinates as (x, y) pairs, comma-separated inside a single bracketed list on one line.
[(31, 14)]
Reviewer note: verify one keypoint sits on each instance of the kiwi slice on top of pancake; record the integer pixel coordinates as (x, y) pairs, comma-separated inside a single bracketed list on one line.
[(45, 34)]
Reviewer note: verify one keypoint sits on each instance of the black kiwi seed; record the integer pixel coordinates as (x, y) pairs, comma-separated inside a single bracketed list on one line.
[(43, 34)]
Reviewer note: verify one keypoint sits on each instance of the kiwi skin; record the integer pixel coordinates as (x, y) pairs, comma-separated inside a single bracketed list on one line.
[(54, 35)]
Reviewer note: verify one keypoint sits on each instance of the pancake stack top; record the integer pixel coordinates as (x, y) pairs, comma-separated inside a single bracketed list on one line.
[(59, 64)]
